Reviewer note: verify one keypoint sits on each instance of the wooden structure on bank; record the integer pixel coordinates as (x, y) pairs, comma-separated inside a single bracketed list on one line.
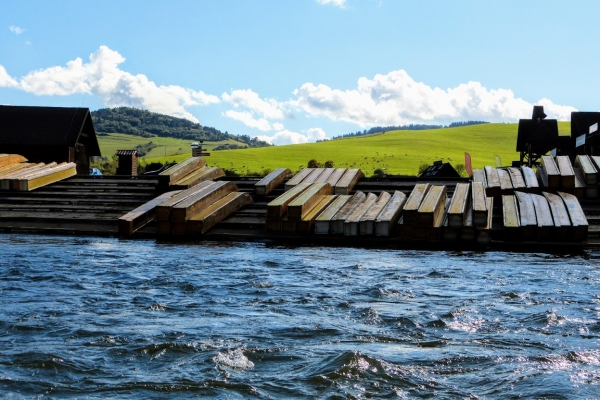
[(49, 134)]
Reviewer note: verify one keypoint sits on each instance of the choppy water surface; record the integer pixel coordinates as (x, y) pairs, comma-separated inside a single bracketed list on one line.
[(102, 318)]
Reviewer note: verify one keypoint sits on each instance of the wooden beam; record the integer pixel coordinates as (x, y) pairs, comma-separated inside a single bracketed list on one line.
[(589, 172), (278, 207), (516, 178), (324, 177), (163, 210), (434, 233), (201, 175), (347, 182), (550, 171), (288, 226), (581, 190), (298, 178), (140, 216), (528, 219), (506, 187), (545, 222), (458, 205), (367, 222), (218, 211), (567, 175), (493, 182), (8, 159), (7, 169), (313, 176), (479, 176), (510, 218), (467, 232), (307, 223), (578, 220), (267, 184), (197, 202), (337, 222), (323, 221), (531, 182), (479, 204), (386, 221), (351, 224), (10, 181), (47, 177), (336, 176), (182, 169), (432, 205), (484, 232), (411, 207), (404, 231), (301, 205), (560, 215)]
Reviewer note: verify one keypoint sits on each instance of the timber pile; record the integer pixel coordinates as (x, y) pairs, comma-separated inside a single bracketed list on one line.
[(342, 180), (18, 175), (190, 172), (197, 209)]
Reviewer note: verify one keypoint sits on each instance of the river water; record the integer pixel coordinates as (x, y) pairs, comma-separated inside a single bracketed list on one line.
[(110, 318)]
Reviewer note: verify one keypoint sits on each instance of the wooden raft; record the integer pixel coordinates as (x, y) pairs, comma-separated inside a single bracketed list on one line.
[(139, 217), (388, 218), (352, 222), (337, 222), (367, 222), (323, 221)]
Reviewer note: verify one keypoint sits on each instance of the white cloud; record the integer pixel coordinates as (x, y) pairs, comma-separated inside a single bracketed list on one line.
[(16, 30), (268, 108), (5, 79), (314, 134), (337, 3), (285, 136), (396, 99), (248, 119), (102, 77)]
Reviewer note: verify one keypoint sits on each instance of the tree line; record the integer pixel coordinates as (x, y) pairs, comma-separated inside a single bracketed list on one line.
[(410, 127)]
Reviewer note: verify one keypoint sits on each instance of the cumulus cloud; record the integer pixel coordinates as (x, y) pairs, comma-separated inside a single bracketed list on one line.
[(314, 134), (396, 99), (268, 108), (16, 30), (102, 77), (5, 79), (337, 3), (285, 136), (248, 119)]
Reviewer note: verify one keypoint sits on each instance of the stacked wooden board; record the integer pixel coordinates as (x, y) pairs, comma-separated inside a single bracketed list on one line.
[(197, 209), (18, 175), (190, 172), (342, 180)]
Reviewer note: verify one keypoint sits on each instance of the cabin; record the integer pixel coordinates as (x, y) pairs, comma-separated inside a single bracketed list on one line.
[(440, 170), (47, 134)]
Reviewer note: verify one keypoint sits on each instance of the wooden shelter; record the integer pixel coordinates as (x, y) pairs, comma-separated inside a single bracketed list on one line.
[(49, 134)]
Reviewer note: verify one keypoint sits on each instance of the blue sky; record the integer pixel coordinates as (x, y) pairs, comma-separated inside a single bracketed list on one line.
[(292, 71)]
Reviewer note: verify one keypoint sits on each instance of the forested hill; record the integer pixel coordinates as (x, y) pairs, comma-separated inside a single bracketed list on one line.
[(144, 123)]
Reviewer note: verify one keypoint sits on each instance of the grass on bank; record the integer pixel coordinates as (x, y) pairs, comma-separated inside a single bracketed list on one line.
[(397, 152)]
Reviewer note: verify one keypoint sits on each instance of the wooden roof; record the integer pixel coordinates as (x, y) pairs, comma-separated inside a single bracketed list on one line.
[(48, 126)]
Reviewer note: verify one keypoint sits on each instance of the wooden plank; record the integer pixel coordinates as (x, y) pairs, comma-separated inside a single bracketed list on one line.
[(434, 233), (313, 176), (510, 218), (352, 222), (388, 218), (581, 190), (516, 178), (323, 221), (298, 178), (578, 220), (479, 176), (301, 205), (140, 216), (182, 169), (484, 232), (197, 202), (267, 184), (467, 232), (531, 182), (506, 187), (550, 171), (278, 207), (543, 214), (337, 221), (324, 177), (5, 181), (347, 182), (8, 159), (432, 205), (458, 204), (449, 233), (411, 207), (479, 204), (336, 176), (589, 172), (218, 211), (542, 176), (306, 224), (567, 175), (367, 222), (560, 215), (201, 175), (493, 182), (7, 169), (47, 177), (163, 210), (528, 220), (11, 182)]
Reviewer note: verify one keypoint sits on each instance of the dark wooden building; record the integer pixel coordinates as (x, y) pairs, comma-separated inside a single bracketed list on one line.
[(440, 170), (46, 134)]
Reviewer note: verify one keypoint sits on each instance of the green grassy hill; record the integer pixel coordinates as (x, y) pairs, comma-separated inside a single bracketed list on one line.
[(399, 152)]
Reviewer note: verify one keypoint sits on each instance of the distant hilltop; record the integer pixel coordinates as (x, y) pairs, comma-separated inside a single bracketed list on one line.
[(148, 124), (411, 127)]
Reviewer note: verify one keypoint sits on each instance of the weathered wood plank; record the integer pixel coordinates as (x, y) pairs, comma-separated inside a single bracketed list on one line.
[(140, 216), (565, 168), (7, 169), (367, 222), (337, 222), (479, 204), (200, 200), (411, 207), (550, 171), (506, 187), (323, 221), (163, 210), (510, 218), (578, 220), (301, 205), (324, 177), (298, 178), (278, 207), (307, 223), (7, 159), (581, 190), (467, 232), (484, 232), (388, 218), (313, 176), (11, 182), (528, 220), (218, 211), (516, 178), (543, 214), (434, 233), (182, 169), (493, 182), (479, 176), (458, 204), (267, 184), (352, 222), (531, 182), (47, 177), (589, 172), (560, 215), (432, 205), (201, 175), (336, 176), (347, 182)]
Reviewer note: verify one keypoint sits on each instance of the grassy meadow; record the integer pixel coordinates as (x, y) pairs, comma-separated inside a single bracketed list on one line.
[(398, 152)]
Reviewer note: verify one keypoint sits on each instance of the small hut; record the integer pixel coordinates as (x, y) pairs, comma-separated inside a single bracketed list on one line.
[(127, 162), (47, 134)]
